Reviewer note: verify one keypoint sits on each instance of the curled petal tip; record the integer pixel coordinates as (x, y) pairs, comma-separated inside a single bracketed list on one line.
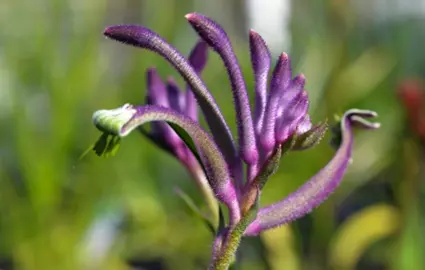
[(362, 113), (358, 118), (112, 121)]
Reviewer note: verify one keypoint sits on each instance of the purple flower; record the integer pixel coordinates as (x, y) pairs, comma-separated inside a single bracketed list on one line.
[(169, 95), (279, 124)]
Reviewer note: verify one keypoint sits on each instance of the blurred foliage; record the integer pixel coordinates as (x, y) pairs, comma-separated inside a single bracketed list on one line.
[(59, 212)]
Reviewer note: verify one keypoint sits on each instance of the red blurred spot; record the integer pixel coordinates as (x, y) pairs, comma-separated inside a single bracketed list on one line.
[(412, 96)]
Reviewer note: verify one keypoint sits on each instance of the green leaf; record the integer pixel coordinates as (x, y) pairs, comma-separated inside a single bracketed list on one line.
[(195, 209), (310, 138), (188, 141), (101, 144), (107, 145), (112, 146)]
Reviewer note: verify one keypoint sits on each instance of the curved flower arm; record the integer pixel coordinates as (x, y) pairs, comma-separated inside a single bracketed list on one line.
[(260, 61), (142, 37), (217, 39), (320, 186), (120, 122)]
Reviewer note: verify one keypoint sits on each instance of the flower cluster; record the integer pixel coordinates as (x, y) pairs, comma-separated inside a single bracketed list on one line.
[(280, 123)]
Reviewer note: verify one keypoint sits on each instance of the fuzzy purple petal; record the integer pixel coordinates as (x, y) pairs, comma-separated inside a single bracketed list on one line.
[(175, 96), (156, 90), (142, 37), (291, 117), (320, 186), (294, 88), (198, 58), (157, 95), (278, 88), (260, 60), (217, 38)]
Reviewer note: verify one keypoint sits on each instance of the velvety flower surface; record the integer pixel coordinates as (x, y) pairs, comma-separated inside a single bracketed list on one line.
[(169, 95), (278, 124)]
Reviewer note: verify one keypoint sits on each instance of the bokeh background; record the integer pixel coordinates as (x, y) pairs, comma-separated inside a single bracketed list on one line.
[(56, 69)]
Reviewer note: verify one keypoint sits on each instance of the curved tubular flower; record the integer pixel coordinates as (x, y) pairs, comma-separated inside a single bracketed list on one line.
[(280, 124), (320, 186), (260, 61), (122, 121), (142, 37), (217, 38)]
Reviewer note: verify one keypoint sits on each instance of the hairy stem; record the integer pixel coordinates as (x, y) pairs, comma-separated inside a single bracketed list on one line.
[(223, 258), (228, 250)]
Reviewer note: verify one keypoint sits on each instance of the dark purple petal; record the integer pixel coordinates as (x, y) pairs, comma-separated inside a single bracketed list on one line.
[(198, 59), (291, 117), (198, 56), (156, 91), (157, 95), (260, 60), (175, 96), (278, 85), (142, 37), (320, 186), (123, 120), (294, 88), (215, 36), (190, 107)]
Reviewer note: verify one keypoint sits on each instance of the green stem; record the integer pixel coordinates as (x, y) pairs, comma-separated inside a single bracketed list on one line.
[(228, 251), (226, 255)]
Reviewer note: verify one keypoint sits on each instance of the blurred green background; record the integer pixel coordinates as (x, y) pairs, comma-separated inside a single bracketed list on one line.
[(56, 69)]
